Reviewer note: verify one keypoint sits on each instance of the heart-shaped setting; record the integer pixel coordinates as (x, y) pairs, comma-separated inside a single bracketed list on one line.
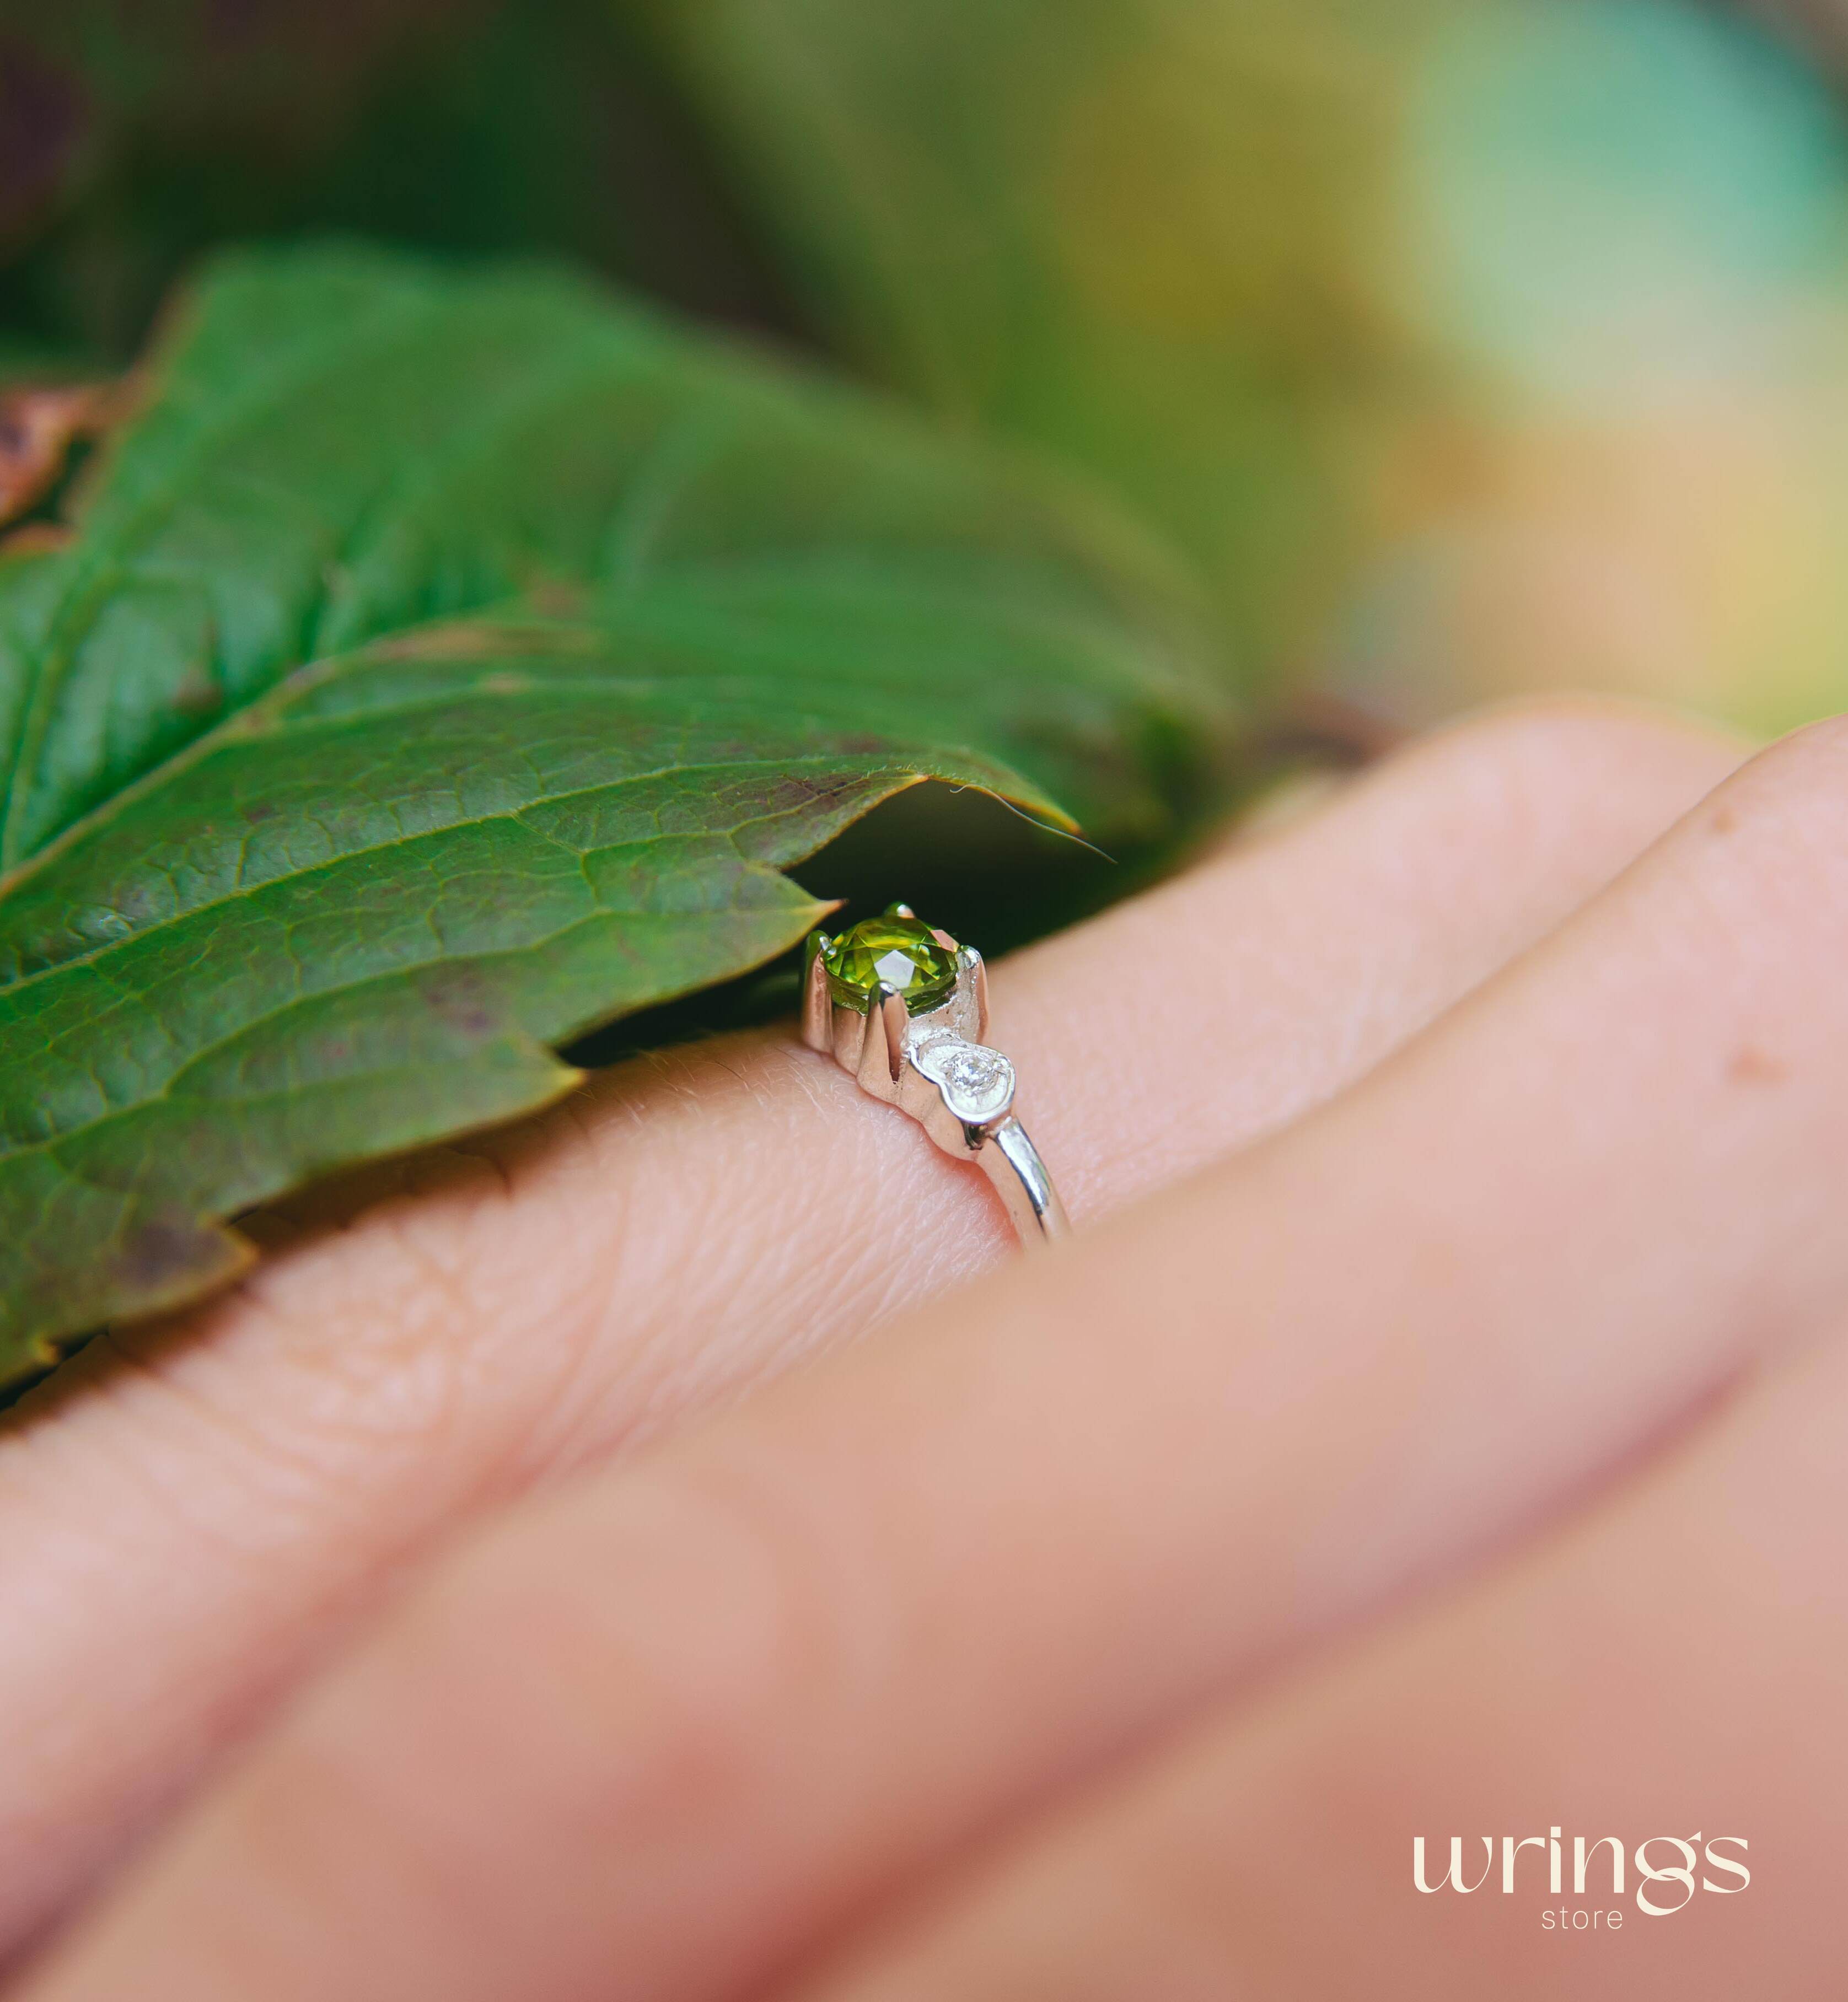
[(977, 1083)]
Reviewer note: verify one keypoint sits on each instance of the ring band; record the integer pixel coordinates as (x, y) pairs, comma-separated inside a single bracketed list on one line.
[(910, 1029)]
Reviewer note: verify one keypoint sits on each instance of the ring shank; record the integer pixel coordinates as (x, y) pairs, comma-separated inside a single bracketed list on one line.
[(1011, 1162)]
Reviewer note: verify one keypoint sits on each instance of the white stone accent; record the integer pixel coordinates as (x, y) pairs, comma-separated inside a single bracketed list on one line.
[(976, 1082)]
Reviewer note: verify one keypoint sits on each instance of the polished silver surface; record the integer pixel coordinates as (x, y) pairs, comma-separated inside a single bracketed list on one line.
[(936, 1067)]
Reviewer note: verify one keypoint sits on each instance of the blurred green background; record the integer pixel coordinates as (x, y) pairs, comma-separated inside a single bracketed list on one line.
[(1464, 346)]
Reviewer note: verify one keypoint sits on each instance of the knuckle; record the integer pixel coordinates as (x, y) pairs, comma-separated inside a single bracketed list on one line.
[(1558, 791), (711, 1631), (1582, 741), (765, 1642), (1808, 766), (1772, 844)]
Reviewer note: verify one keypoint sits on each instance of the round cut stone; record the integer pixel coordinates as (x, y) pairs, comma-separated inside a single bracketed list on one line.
[(899, 951)]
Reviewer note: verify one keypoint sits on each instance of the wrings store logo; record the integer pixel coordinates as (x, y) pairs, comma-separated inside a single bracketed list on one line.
[(1663, 1886)]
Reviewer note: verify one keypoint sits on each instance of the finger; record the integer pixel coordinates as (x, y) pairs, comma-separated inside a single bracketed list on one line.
[(680, 1721), (1648, 1676), (180, 1534)]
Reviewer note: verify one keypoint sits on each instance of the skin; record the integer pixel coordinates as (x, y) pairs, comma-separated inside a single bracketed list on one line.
[(1644, 1671), (440, 1614)]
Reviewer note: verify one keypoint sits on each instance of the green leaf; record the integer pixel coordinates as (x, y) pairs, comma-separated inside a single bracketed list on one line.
[(446, 665)]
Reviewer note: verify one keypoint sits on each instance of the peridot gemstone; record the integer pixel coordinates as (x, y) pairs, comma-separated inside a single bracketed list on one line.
[(899, 951)]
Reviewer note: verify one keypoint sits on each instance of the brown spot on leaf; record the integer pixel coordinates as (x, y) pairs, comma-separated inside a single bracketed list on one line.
[(197, 694), (462, 640), (1752, 1066), (37, 538), (37, 428), (464, 999), (557, 597), (157, 1253)]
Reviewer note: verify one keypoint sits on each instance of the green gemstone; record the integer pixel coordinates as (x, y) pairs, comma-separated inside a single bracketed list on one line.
[(899, 951)]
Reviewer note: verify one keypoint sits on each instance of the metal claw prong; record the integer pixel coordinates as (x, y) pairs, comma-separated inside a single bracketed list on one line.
[(896, 1016), (977, 969), (900, 911), (818, 1006), (882, 1052)]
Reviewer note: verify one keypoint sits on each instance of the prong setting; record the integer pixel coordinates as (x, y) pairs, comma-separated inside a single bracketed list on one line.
[(894, 1020), (934, 1066), (874, 1071), (976, 969), (818, 1007)]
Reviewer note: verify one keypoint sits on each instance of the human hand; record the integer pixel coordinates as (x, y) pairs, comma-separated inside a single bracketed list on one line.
[(707, 1712)]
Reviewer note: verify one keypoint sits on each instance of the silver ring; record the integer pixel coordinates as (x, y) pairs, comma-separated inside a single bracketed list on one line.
[(904, 1008)]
